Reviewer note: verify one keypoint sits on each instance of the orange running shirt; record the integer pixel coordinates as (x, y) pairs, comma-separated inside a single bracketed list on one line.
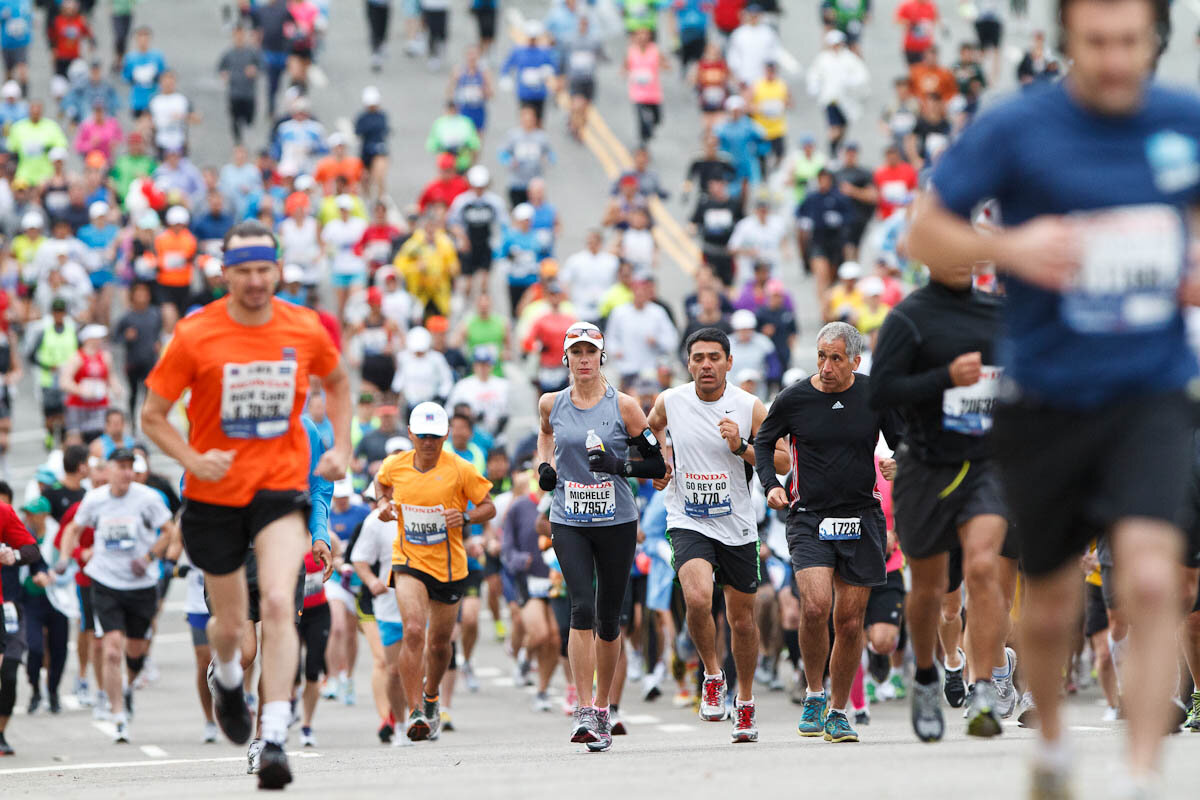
[(175, 252), (249, 385), (423, 542)]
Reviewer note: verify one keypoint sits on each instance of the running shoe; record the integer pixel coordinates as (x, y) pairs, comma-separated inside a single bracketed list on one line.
[(570, 700), (927, 721), (1193, 720), (967, 704), (744, 729), (541, 702), (417, 729), (616, 725), (584, 729), (5, 747), (273, 769), (712, 699), (1179, 716), (128, 697), (683, 699), (762, 673), (210, 732), (953, 686), (1027, 712), (229, 706), (121, 732), (469, 677), (1111, 714), (837, 728), (812, 718), (799, 690), (348, 696), (1047, 783), (447, 724), (307, 739), (83, 694), (521, 673), (650, 684), (862, 717), (983, 718), (35, 700), (433, 715), (500, 630), (871, 690), (52, 703), (776, 684), (603, 732), (329, 689), (101, 710), (252, 703), (253, 753), (878, 666), (899, 690), (1006, 694), (386, 730)]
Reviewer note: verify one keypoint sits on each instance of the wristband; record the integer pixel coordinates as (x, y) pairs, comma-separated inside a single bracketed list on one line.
[(742, 449)]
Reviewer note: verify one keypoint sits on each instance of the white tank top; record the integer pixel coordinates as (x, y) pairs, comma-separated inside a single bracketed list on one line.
[(710, 490)]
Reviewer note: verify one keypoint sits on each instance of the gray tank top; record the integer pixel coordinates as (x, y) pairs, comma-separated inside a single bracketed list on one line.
[(580, 497)]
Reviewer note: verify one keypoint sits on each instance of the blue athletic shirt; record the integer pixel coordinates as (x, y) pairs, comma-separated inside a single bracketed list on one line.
[(1128, 180), (320, 491)]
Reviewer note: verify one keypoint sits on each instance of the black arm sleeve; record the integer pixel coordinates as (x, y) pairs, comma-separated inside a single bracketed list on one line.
[(652, 466), (31, 556), (892, 385), (772, 429)]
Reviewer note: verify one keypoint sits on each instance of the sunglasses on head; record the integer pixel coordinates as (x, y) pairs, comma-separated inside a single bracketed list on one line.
[(590, 333)]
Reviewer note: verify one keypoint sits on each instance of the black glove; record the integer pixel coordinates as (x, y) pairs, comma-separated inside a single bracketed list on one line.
[(605, 461), (547, 477)]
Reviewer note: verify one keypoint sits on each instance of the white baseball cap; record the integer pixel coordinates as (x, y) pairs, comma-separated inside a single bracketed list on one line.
[(523, 212), (335, 139), (343, 488), (397, 444), (849, 271), (32, 219), (583, 332), (534, 29), (743, 319), (419, 340), (345, 202), (139, 464), (478, 176), (177, 215), (794, 375), (871, 286), (834, 38), (97, 209), (93, 332), (748, 374), (11, 89), (428, 419), (371, 96), (735, 102), (293, 274), (304, 182), (213, 267)]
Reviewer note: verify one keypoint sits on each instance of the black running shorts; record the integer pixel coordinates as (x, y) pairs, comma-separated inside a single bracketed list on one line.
[(1069, 474), (735, 566), (859, 562), (127, 610), (445, 592), (933, 502), (219, 537), (886, 603)]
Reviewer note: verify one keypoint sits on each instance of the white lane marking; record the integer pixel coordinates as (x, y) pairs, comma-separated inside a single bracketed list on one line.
[(677, 728), (153, 751), (507, 682), (1091, 728), (136, 764), (641, 719), (488, 672)]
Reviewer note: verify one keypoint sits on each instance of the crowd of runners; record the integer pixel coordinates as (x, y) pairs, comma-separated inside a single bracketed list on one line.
[(415, 421)]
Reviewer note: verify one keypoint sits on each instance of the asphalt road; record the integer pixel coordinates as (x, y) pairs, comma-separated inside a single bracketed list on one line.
[(503, 749)]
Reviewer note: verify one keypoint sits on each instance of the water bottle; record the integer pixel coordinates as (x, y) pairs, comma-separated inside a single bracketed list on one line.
[(594, 445)]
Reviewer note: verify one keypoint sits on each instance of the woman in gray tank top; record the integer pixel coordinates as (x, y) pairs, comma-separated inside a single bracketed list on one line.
[(583, 444)]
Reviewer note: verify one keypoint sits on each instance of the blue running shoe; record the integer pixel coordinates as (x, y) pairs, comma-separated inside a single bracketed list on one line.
[(812, 719), (837, 728)]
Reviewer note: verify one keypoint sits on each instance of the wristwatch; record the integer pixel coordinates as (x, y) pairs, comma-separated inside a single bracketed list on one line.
[(742, 449), (466, 515)]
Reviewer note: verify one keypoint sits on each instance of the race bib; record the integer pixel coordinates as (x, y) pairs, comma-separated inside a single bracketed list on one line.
[(836, 529), (174, 261), (582, 61), (314, 583), (538, 587), (706, 495), (257, 399), (144, 74), (589, 502), (833, 219), (424, 524), (117, 533), (93, 389), (642, 77), (718, 219), (32, 149), (544, 237), (527, 151), (16, 28), (470, 94), (968, 409), (713, 95), (531, 77), (895, 192), (12, 623), (771, 108), (1130, 273)]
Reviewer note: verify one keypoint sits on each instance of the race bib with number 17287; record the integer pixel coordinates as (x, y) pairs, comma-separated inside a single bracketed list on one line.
[(839, 529)]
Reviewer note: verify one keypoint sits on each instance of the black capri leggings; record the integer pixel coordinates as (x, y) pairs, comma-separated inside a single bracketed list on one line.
[(314, 635), (595, 563)]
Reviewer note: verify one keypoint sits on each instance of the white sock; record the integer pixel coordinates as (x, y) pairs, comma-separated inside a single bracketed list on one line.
[(1053, 755), (841, 711), (229, 673), (1117, 649), (708, 677), (275, 716), (749, 702), (811, 694), (1001, 674)]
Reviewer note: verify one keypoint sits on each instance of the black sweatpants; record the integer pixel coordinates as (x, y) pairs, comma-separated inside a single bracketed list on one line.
[(377, 20), (41, 616), (436, 24), (595, 562), (241, 114)]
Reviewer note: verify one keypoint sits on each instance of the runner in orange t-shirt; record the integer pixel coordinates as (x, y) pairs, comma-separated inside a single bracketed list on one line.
[(430, 490), (175, 249), (247, 360)]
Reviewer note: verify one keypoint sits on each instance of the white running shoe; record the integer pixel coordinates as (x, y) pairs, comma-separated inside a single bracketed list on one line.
[(253, 754), (121, 735), (307, 739), (541, 702), (210, 732), (712, 699), (1006, 695)]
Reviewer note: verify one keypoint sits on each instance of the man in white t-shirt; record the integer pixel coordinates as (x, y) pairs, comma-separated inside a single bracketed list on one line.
[(588, 274), (758, 237), (372, 560), (640, 332), (171, 112), (133, 527), (484, 392)]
